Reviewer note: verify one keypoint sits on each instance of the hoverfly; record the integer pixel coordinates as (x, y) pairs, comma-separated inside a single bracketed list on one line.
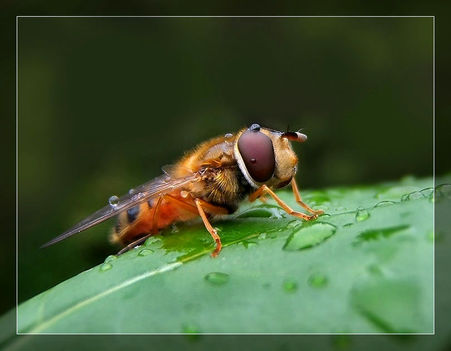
[(210, 180)]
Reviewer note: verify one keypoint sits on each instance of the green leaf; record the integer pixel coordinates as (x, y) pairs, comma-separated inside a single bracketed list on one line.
[(365, 266)]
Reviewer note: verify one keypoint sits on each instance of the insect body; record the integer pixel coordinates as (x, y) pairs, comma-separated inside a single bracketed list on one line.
[(209, 181)]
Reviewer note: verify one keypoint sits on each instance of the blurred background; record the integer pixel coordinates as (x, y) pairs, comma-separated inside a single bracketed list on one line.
[(105, 102)]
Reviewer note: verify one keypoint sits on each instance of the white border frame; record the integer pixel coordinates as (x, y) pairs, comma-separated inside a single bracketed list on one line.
[(126, 334)]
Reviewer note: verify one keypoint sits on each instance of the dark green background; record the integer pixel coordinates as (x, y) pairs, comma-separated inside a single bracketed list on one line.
[(105, 102)]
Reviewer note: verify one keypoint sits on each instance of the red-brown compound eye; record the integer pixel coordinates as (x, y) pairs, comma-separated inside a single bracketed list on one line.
[(257, 152)]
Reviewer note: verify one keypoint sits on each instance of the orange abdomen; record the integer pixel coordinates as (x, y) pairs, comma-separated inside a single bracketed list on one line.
[(152, 216)]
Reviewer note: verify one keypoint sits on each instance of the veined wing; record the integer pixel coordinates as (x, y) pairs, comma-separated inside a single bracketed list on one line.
[(152, 189)]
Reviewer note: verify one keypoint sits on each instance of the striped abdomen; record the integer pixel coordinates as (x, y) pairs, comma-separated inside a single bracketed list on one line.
[(150, 217)]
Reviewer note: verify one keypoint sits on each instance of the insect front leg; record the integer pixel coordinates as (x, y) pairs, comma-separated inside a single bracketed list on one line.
[(201, 205), (265, 190), (297, 196)]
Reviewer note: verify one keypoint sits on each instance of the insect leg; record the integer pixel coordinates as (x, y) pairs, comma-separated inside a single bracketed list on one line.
[(154, 228), (209, 227), (297, 196), (265, 190), (133, 244)]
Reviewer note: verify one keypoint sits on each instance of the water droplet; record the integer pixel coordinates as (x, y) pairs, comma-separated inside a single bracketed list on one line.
[(110, 258), (384, 203), (151, 240), (309, 236), (105, 267), (395, 193), (217, 278), (131, 191), (362, 215), (228, 136), (145, 252), (290, 286), (376, 234), (184, 194), (261, 212), (261, 236), (318, 280), (428, 192), (415, 195), (113, 201)]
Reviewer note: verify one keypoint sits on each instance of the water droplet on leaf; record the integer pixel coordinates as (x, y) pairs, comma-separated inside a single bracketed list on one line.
[(308, 236), (362, 215), (318, 280), (110, 258), (145, 252), (384, 203), (290, 286), (217, 278), (105, 267)]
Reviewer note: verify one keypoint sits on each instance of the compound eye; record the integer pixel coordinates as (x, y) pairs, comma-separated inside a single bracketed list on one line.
[(257, 152)]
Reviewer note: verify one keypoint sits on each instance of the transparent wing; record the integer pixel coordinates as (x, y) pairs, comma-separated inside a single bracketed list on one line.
[(154, 188)]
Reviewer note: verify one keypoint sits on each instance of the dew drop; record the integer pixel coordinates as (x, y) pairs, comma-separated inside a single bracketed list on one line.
[(151, 240), (290, 286), (261, 236), (184, 194), (228, 136), (113, 201), (145, 252), (105, 267), (362, 215), (309, 236), (217, 278), (110, 258), (131, 191), (384, 203), (415, 195), (262, 212), (318, 280)]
